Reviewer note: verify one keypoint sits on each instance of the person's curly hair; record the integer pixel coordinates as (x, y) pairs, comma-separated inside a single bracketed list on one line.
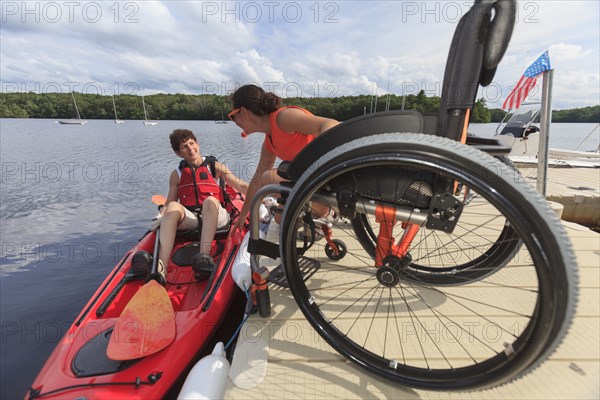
[(179, 136)]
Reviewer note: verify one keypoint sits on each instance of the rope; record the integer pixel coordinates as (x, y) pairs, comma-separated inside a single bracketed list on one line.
[(587, 137), (237, 331)]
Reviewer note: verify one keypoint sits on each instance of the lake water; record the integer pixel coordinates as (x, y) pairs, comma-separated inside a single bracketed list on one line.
[(74, 199)]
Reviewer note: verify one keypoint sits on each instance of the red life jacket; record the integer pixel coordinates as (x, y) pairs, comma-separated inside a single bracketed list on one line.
[(195, 185)]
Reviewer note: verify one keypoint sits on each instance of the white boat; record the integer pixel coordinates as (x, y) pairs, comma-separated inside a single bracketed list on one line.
[(73, 121), (146, 122), (117, 120), (522, 134), (223, 120)]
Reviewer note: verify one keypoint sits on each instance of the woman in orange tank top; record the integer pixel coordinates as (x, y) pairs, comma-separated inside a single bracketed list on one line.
[(288, 130)]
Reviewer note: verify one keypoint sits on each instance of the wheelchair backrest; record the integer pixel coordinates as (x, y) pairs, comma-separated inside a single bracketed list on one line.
[(479, 42)]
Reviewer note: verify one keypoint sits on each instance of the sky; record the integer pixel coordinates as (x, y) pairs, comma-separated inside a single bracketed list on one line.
[(293, 48)]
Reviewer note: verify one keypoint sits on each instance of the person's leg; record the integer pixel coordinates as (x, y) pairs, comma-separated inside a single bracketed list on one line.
[(213, 216), (172, 217), (210, 216)]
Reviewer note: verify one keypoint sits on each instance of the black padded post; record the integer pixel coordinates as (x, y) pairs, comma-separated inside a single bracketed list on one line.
[(479, 42)]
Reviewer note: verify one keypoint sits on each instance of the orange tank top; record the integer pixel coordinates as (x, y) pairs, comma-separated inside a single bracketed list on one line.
[(285, 145)]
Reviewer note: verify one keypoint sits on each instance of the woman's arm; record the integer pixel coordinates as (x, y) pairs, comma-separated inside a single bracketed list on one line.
[(266, 163), (231, 179), (295, 120)]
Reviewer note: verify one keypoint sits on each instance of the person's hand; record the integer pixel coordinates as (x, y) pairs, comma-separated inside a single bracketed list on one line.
[(239, 225), (156, 222)]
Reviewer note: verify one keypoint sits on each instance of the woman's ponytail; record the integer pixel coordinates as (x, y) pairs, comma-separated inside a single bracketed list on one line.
[(256, 100)]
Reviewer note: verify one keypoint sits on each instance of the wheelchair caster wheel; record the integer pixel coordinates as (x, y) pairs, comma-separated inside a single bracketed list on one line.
[(341, 250)]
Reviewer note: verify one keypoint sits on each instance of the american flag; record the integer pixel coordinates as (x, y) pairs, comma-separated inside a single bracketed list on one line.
[(527, 82)]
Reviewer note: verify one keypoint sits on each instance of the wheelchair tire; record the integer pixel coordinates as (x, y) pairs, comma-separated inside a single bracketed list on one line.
[(485, 332)]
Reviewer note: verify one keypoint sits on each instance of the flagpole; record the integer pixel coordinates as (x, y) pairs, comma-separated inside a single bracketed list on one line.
[(545, 121)]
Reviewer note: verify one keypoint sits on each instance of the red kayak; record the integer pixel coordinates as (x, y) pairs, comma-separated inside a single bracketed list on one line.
[(79, 366)]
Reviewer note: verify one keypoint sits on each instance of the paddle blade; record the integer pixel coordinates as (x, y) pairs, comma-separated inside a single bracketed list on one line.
[(146, 325), (159, 199)]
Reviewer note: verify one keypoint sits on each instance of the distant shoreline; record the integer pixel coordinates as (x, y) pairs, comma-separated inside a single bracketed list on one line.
[(212, 107)]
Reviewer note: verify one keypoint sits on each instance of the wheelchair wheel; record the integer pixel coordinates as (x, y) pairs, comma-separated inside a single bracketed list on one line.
[(342, 250), (376, 309), (490, 252)]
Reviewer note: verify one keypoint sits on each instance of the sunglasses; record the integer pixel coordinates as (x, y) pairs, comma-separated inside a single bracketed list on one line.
[(231, 115)]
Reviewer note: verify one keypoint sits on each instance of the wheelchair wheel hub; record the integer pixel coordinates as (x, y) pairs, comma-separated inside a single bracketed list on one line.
[(389, 273), (388, 276)]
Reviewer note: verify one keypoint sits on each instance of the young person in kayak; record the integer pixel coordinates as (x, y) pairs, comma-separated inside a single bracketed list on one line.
[(288, 130), (193, 189)]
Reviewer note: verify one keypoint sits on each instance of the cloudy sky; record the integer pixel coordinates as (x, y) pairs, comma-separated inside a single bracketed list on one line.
[(307, 48)]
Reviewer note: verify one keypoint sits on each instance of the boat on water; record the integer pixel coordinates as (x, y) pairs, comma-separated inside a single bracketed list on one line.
[(117, 120), (522, 133), (81, 365), (146, 121), (222, 120), (73, 121)]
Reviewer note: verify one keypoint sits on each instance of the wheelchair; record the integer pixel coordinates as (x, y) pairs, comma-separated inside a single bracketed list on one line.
[(456, 274)]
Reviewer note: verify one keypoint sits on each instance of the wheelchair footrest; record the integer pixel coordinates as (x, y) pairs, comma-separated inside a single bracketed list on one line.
[(308, 267)]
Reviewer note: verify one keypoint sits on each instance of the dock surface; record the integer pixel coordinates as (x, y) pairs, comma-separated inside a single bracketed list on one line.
[(301, 365)]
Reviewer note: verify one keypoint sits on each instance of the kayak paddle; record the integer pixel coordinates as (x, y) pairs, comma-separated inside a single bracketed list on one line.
[(159, 199), (147, 324)]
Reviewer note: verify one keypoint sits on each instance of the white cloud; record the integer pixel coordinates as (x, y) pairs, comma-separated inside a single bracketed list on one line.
[(563, 52), (195, 47)]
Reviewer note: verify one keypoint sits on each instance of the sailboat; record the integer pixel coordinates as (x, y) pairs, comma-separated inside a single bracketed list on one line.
[(223, 120), (146, 122), (117, 120), (73, 121)]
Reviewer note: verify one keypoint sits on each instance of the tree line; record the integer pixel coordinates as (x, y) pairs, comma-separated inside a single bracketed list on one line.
[(214, 107)]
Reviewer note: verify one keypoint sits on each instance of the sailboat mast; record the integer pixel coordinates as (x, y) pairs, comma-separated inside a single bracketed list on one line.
[(76, 108), (144, 104), (114, 107)]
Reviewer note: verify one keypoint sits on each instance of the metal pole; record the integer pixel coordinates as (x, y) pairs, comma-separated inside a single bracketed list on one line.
[(545, 121), (254, 206)]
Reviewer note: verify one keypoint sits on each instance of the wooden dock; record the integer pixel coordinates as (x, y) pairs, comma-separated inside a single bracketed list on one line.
[(301, 365), (577, 189)]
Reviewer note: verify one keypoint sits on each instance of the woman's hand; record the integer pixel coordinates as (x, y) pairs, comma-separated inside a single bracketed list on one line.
[(156, 222), (239, 225)]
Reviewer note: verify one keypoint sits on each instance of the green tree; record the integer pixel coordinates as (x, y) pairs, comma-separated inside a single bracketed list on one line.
[(209, 107), (480, 112)]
